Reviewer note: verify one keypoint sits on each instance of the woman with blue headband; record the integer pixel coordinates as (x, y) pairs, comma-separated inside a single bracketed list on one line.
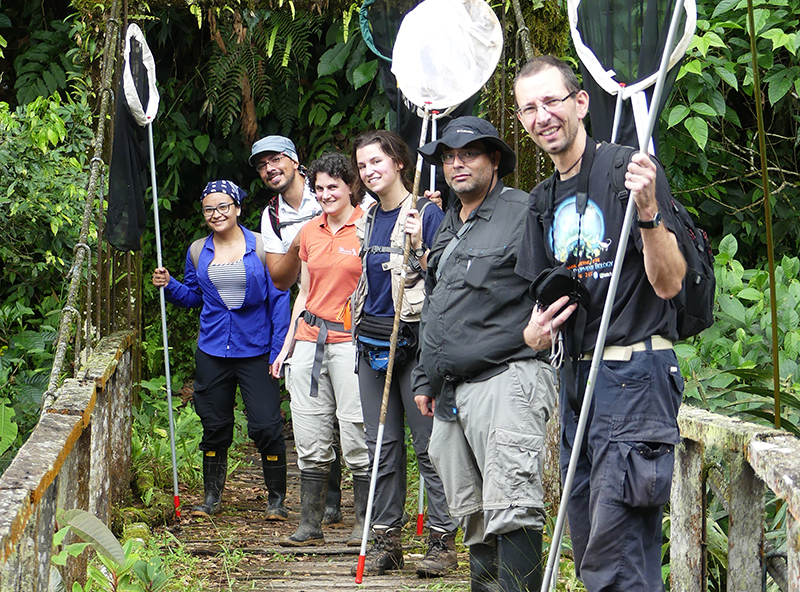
[(243, 322)]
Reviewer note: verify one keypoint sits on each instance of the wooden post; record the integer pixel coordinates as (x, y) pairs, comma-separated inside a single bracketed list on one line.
[(687, 519), (746, 531)]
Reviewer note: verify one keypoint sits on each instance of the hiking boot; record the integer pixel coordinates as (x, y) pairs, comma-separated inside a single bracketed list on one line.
[(360, 497), (333, 501), (312, 505), (441, 556), (386, 552), (274, 467), (215, 470)]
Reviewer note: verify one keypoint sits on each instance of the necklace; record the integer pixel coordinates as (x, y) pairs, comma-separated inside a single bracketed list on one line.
[(562, 173)]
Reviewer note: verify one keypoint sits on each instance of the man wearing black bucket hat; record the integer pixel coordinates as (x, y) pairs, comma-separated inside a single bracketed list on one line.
[(489, 393)]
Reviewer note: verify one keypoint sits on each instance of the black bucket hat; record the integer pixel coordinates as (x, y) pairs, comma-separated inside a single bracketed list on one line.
[(462, 131)]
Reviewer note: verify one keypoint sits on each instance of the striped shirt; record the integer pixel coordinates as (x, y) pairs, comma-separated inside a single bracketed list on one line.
[(230, 280)]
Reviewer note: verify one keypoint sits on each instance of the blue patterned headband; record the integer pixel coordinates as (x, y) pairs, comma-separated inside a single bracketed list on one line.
[(230, 188)]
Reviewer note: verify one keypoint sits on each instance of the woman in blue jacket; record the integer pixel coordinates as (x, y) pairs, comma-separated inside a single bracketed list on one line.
[(243, 322)]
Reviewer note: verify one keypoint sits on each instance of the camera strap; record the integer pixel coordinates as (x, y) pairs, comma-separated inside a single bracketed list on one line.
[(576, 325)]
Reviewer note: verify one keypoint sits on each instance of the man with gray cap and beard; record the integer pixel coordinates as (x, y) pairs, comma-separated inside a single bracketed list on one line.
[(275, 160), (489, 393)]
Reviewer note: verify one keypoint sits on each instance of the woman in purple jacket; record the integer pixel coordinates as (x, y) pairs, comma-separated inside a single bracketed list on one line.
[(243, 322)]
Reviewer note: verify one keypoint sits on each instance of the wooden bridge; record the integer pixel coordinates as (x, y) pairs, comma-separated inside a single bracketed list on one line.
[(79, 455)]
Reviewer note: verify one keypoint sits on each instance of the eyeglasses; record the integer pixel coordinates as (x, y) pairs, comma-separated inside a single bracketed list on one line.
[(223, 209), (272, 160), (465, 157), (548, 106)]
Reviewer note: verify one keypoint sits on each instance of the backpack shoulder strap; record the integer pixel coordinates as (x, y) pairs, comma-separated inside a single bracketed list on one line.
[(619, 166), (272, 212), (260, 252), (195, 249), (369, 223)]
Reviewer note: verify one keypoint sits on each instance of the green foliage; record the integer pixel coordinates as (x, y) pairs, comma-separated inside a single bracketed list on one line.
[(259, 60), (151, 453), (730, 364), (711, 148), (25, 363), (42, 194), (46, 65), (121, 568)]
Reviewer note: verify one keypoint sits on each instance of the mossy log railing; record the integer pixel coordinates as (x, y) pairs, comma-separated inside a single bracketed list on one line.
[(78, 456), (755, 457)]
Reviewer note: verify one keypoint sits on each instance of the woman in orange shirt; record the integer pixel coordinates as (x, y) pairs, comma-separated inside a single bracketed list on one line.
[(320, 372)]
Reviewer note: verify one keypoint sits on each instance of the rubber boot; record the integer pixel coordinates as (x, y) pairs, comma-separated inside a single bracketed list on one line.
[(333, 501), (483, 568), (441, 556), (313, 485), (215, 470), (386, 552), (274, 466), (360, 497), (519, 557)]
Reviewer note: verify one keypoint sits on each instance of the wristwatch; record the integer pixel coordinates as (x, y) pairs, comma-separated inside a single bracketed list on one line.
[(419, 253), (655, 222)]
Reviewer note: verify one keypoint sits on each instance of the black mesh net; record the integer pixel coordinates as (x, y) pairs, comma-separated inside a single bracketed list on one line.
[(126, 217), (628, 37)]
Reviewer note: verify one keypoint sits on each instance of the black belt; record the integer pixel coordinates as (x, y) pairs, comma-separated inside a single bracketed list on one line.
[(324, 325)]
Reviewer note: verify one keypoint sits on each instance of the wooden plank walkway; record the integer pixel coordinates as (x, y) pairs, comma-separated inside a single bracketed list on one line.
[(239, 549)]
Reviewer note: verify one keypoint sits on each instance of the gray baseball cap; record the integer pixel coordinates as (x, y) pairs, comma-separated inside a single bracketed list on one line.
[(273, 144)]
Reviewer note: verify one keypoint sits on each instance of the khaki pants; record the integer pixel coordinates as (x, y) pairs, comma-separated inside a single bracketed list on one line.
[(490, 457), (314, 418)]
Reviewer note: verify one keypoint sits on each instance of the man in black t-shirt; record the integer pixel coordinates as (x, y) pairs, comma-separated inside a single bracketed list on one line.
[(625, 468)]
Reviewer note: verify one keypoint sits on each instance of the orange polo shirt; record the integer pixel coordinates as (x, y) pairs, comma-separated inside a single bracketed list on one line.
[(334, 268)]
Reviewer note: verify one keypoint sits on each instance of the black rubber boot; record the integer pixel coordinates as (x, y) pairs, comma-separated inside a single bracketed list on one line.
[(360, 497), (333, 501), (519, 558), (215, 470), (386, 552), (441, 556), (274, 466), (483, 568), (313, 485)]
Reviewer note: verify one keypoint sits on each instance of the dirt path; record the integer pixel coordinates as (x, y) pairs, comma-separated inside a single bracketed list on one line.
[(240, 551)]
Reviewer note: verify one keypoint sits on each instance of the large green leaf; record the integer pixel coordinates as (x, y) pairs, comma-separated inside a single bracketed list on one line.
[(92, 530), (698, 129), (728, 76), (677, 114), (778, 88), (335, 58), (8, 428), (365, 73)]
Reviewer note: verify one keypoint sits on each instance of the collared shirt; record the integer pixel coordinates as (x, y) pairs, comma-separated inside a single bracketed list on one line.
[(258, 326), (309, 207), (334, 268), (477, 308)]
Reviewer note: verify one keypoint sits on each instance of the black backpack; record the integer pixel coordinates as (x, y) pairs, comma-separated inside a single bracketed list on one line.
[(695, 301)]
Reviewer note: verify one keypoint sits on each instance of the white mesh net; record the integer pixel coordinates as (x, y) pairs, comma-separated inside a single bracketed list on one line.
[(445, 51)]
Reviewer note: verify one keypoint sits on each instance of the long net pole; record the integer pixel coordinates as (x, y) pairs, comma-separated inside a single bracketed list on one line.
[(176, 494)]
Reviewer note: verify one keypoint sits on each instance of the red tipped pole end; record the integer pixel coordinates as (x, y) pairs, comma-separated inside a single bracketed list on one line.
[(420, 522), (360, 569), (177, 501)]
